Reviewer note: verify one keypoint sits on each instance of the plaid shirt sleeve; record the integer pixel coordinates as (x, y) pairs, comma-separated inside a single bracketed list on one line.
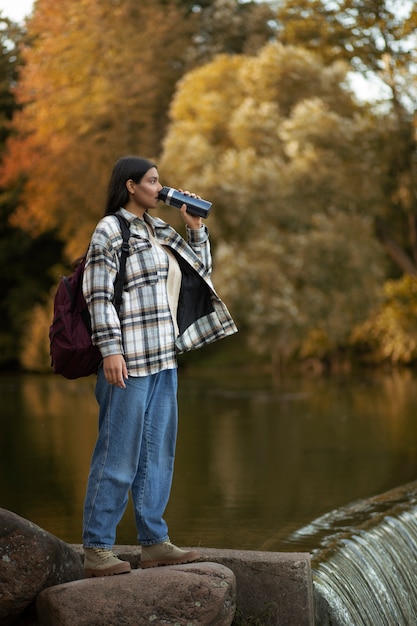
[(98, 288), (198, 240)]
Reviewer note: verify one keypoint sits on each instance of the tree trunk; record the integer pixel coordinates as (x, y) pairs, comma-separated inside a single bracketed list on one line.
[(401, 258)]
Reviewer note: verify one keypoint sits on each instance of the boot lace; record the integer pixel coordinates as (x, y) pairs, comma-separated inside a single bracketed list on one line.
[(103, 553)]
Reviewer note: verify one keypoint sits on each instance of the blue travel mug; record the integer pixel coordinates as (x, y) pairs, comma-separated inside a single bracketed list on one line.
[(195, 206)]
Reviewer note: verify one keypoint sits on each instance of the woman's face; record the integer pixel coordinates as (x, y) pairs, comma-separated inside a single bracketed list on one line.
[(144, 195)]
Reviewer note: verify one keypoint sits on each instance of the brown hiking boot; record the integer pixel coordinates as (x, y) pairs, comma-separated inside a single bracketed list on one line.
[(103, 562), (166, 553)]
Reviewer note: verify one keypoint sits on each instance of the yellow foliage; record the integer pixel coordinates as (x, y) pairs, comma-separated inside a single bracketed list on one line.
[(279, 153), (206, 95), (391, 332)]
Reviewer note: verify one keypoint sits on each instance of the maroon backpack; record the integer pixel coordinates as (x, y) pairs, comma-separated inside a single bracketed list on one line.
[(72, 352)]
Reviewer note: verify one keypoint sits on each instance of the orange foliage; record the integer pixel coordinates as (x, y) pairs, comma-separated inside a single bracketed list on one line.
[(96, 83)]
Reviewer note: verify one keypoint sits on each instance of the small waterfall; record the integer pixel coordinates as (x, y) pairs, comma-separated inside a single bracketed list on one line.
[(365, 569), (371, 579)]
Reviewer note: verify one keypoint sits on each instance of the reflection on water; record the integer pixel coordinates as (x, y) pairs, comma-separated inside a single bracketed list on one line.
[(256, 460)]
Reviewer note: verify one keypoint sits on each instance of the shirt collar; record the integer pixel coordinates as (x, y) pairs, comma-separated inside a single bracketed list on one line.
[(153, 222)]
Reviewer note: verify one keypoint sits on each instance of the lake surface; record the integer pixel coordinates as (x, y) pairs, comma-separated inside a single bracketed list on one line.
[(256, 458)]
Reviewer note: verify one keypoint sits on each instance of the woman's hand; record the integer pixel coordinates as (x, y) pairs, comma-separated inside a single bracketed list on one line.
[(192, 221), (115, 370)]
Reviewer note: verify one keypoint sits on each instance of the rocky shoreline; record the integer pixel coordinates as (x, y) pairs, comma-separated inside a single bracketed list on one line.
[(42, 584)]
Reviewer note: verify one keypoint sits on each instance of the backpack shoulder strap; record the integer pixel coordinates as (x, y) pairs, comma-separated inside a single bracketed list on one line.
[(120, 278)]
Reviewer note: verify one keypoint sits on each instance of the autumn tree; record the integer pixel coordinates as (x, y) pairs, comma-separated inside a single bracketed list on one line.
[(24, 260), (96, 83), (278, 143), (92, 88), (378, 39)]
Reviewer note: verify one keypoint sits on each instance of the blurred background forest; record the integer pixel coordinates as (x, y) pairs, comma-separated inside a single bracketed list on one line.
[(296, 118)]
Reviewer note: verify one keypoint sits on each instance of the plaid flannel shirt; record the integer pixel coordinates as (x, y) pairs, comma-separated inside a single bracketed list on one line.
[(144, 331)]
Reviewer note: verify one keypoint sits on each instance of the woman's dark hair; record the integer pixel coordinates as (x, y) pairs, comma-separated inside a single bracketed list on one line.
[(128, 167)]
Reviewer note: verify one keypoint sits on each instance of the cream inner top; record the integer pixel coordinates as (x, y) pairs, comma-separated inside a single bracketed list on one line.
[(173, 279)]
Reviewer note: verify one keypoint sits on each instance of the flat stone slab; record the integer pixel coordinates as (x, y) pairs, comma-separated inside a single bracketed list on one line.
[(197, 594), (272, 588)]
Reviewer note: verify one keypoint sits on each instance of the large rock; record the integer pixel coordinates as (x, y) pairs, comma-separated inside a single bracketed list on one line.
[(201, 594), (31, 559), (272, 588)]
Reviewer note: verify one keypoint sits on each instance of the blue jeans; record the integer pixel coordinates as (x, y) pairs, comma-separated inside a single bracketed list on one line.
[(135, 452)]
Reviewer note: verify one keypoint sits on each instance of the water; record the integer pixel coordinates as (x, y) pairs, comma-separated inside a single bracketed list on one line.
[(364, 571), (371, 581), (257, 459)]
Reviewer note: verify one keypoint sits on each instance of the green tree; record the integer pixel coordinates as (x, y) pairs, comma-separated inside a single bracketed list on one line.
[(230, 26), (378, 39), (280, 146), (10, 38)]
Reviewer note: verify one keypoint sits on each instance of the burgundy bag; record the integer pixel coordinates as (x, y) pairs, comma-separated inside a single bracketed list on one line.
[(72, 352)]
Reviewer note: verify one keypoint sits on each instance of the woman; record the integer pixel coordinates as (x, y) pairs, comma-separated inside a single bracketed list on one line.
[(169, 306)]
